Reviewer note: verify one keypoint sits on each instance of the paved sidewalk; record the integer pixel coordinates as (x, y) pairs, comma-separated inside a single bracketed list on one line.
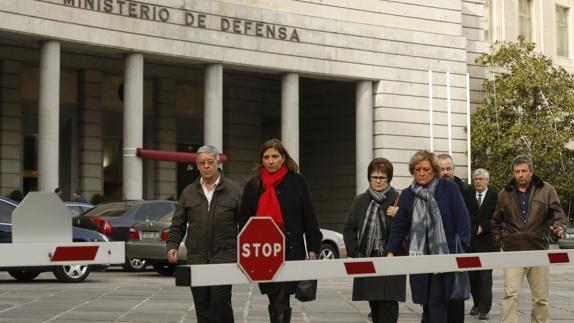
[(116, 296)]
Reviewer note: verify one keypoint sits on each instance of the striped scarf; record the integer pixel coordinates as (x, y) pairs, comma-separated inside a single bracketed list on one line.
[(374, 233), (427, 232)]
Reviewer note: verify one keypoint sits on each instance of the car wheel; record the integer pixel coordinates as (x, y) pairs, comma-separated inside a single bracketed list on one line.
[(72, 273), (328, 252), (164, 269), (135, 264), (24, 275)]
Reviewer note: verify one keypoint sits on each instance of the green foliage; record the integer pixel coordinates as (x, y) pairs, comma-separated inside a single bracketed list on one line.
[(97, 199), (16, 195), (528, 109)]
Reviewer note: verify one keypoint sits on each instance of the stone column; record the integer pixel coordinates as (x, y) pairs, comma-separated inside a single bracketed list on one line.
[(364, 133), (213, 109), (290, 114), (90, 170), (49, 117), (10, 128), (133, 126), (165, 137)]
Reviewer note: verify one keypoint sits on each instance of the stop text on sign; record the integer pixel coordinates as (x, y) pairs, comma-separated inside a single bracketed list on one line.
[(261, 249)]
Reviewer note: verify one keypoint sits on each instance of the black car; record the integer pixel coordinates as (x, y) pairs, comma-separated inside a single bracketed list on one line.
[(116, 220), (65, 273)]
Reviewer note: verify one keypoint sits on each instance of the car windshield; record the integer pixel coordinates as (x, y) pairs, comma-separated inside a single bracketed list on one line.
[(6, 210), (108, 210)]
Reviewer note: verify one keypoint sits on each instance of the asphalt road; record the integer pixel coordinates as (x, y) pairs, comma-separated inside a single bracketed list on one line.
[(117, 296)]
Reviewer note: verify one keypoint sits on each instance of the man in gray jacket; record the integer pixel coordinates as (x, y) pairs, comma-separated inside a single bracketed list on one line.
[(207, 211)]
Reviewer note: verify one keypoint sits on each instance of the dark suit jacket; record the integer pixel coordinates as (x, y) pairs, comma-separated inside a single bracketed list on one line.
[(483, 242)]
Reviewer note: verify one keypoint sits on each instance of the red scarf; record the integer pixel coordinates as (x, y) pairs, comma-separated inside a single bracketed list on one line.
[(268, 202)]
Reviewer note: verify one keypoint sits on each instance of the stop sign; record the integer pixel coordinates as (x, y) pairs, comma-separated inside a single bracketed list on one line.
[(260, 249)]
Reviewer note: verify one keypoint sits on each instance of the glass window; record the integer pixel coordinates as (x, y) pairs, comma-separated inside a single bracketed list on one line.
[(109, 210), (6, 210), (525, 19), (154, 211), (562, 43)]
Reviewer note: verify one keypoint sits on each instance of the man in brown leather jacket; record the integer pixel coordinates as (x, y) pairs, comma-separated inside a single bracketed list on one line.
[(526, 211), (207, 211)]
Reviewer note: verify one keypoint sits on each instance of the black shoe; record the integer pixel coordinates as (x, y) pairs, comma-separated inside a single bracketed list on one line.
[(483, 316), (474, 310)]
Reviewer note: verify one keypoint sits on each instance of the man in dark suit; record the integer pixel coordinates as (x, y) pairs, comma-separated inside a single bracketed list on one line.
[(456, 307), (481, 241)]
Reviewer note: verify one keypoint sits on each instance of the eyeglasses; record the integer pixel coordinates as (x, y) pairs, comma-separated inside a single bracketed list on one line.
[(207, 163), (379, 178)]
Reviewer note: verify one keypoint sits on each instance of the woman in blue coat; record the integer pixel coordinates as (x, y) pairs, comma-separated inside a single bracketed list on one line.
[(431, 215)]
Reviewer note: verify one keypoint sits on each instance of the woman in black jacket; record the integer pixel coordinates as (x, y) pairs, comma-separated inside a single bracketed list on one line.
[(276, 189), (365, 232)]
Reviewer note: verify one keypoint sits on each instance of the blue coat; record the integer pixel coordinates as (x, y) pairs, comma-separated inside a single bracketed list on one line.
[(455, 219)]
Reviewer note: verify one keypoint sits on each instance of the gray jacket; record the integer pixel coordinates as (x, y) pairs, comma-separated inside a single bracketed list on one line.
[(211, 231)]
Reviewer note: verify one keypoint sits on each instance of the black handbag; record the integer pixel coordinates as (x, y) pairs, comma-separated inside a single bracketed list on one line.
[(306, 290), (460, 282)]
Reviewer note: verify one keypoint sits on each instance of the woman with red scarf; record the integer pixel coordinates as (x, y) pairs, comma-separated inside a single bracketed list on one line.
[(276, 189)]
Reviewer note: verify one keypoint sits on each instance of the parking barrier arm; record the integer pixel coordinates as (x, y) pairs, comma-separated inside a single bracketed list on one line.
[(225, 274)]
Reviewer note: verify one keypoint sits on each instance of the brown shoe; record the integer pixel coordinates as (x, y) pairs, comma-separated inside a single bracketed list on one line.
[(474, 310), (483, 316)]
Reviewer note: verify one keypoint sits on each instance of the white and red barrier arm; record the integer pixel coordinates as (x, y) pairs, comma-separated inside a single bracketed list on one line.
[(61, 253), (42, 235), (224, 274)]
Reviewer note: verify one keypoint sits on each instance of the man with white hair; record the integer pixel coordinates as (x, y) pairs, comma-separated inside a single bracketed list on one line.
[(208, 211), (481, 241)]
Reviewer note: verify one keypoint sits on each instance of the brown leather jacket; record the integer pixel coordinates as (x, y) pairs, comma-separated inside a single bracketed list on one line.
[(544, 210), (211, 232)]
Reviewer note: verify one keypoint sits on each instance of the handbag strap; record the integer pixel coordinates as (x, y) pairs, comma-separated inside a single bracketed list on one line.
[(305, 245), (457, 244), (396, 202)]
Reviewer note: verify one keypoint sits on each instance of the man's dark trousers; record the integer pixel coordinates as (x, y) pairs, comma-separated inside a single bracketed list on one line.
[(213, 304), (481, 289)]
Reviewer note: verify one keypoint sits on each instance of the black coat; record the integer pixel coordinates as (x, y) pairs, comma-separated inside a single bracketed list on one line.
[(371, 288), (298, 217), (483, 242)]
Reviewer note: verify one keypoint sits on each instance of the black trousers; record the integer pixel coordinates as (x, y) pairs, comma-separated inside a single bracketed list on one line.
[(279, 300), (213, 304), (384, 311), (481, 289), (439, 310), (456, 311), (436, 310)]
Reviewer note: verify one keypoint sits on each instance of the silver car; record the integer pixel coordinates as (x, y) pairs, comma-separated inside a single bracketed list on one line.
[(152, 236)]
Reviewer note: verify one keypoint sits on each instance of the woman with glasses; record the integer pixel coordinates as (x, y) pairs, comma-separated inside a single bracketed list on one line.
[(365, 232), (278, 190), (432, 216)]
